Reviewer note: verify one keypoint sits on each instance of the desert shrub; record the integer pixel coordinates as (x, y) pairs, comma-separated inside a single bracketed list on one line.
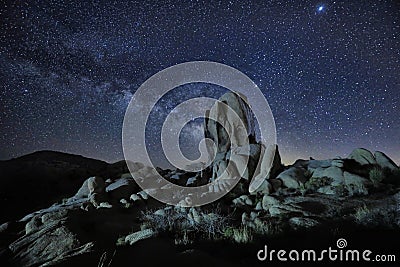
[(342, 190), (178, 222), (266, 227), (228, 232), (376, 175), (242, 234), (169, 220), (308, 174), (184, 239), (361, 214), (374, 217), (314, 183), (212, 223), (303, 190)]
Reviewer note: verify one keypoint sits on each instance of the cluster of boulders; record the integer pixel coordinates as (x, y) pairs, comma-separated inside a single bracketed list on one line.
[(340, 176)]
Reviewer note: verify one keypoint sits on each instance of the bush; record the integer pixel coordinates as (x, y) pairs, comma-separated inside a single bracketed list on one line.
[(362, 214), (314, 183), (375, 217), (184, 222), (266, 227), (376, 175), (308, 174), (242, 235)]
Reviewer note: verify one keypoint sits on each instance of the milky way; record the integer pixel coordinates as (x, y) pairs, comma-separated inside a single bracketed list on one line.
[(329, 70)]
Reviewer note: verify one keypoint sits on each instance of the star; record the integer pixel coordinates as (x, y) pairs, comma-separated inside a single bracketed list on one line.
[(320, 8)]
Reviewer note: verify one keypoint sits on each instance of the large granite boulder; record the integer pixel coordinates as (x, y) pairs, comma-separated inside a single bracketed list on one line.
[(94, 189), (240, 155), (384, 161), (293, 177), (233, 137), (90, 186), (362, 156)]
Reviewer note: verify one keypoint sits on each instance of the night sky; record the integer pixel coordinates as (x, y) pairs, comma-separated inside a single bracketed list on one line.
[(329, 70)]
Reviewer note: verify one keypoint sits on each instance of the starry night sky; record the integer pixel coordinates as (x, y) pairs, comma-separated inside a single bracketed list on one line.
[(329, 70)]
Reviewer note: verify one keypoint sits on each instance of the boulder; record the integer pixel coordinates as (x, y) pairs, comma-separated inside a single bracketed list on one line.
[(54, 216), (384, 161), (362, 156), (90, 186), (122, 188), (242, 201), (334, 173), (135, 197), (105, 205), (95, 185), (140, 235), (269, 201), (265, 188), (338, 163), (4, 227), (265, 172), (292, 177), (314, 164), (258, 206), (143, 195), (33, 225), (49, 244), (334, 181), (83, 191)]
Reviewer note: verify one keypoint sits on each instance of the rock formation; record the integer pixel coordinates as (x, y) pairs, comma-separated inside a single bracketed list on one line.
[(235, 143)]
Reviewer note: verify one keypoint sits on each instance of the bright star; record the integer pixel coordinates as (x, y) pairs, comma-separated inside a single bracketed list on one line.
[(320, 8)]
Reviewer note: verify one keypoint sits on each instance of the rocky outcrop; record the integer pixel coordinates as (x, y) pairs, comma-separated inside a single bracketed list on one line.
[(48, 240), (366, 158), (351, 176), (236, 151)]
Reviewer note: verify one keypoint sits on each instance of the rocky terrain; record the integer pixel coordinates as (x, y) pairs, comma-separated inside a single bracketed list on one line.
[(107, 220)]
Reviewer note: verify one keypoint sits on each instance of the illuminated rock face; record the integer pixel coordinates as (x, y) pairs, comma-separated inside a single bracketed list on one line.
[(235, 151)]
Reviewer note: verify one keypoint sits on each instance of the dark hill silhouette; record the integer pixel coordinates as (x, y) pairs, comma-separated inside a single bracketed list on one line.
[(39, 179)]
